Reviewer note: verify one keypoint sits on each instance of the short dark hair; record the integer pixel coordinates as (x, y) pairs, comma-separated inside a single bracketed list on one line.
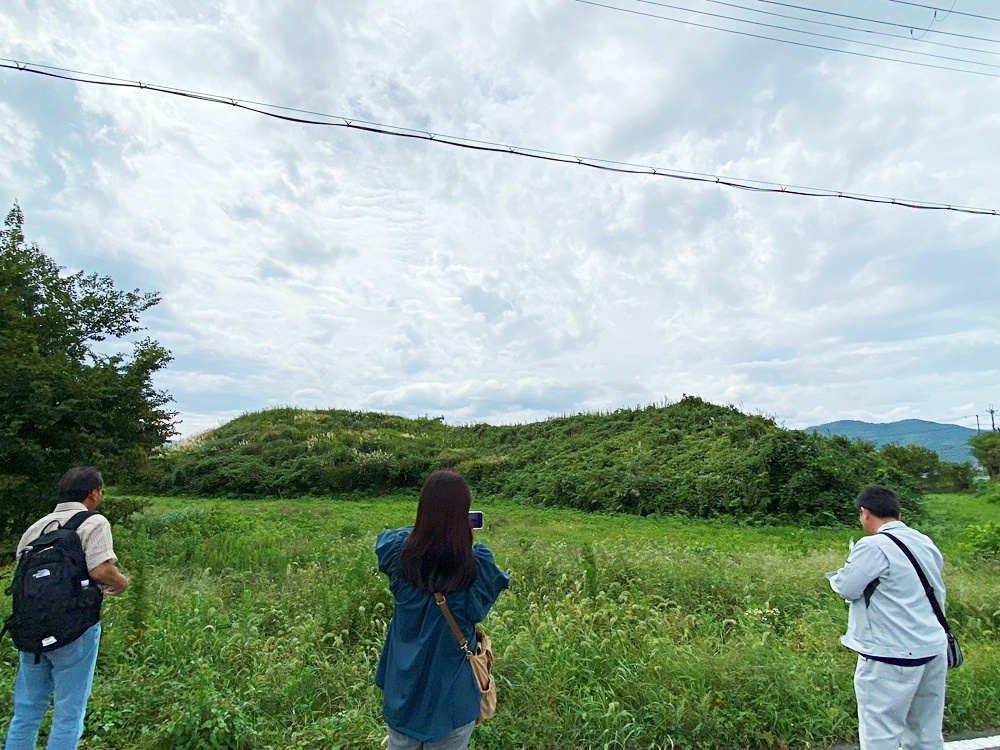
[(437, 556), (79, 482), (880, 501)]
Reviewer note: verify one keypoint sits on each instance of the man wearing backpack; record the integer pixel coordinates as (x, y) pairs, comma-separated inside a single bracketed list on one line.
[(62, 675)]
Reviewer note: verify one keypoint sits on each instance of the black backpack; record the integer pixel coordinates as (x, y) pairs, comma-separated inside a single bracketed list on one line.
[(54, 599)]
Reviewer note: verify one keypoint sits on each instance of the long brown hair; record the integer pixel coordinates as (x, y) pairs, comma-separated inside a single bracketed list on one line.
[(437, 556)]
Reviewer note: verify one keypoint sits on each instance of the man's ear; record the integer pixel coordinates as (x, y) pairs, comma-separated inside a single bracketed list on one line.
[(864, 515), (92, 498)]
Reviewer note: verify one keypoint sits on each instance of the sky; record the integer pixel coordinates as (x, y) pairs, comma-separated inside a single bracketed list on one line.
[(322, 266)]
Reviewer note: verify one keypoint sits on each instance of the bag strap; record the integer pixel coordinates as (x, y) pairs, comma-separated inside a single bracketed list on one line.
[(463, 643), (75, 522), (928, 589)]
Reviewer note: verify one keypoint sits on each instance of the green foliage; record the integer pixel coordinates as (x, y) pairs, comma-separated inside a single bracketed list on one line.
[(926, 469), (984, 540), (291, 452), (990, 491), (260, 624), (63, 401), (691, 458), (948, 441), (986, 448), (119, 510)]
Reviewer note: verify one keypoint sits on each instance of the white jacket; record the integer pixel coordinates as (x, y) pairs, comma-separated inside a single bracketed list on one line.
[(896, 620)]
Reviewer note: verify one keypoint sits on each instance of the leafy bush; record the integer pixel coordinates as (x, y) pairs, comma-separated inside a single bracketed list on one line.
[(926, 469), (986, 448), (989, 491), (983, 540), (691, 457), (119, 510)]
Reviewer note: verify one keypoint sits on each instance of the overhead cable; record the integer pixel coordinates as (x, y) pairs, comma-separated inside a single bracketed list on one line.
[(801, 31), (872, 20), (339, 121), (797, 44), (908, 37), (934, 20), (950, 11)]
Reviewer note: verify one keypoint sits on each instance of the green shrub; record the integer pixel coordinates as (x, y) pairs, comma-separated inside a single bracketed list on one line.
[(989, 491), (983, 540), (691, 457), (120, 509)]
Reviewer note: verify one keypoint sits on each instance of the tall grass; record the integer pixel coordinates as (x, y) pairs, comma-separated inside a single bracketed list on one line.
[(259, 626)]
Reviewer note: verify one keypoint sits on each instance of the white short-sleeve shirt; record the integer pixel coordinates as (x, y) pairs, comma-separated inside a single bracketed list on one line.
[(95, 533)]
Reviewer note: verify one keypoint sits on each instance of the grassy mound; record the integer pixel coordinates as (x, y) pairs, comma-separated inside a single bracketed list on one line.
[(691, 457)]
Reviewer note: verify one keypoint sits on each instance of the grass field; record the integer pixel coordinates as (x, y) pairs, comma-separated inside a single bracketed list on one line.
[(258, 625)]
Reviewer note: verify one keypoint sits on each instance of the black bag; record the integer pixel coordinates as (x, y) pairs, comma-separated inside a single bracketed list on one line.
[(955, 657), (55, 601)]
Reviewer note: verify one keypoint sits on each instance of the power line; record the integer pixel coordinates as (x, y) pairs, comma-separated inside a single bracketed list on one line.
[(800, 31), (872, 20), (606, 165), (956, 12), (789, 41), (908, 37), (934, 20)]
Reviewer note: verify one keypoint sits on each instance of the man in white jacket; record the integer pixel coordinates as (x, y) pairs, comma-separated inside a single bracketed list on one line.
[(900, 678)]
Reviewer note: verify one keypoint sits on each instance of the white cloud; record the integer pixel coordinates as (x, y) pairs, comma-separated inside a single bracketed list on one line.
[(331, 267)]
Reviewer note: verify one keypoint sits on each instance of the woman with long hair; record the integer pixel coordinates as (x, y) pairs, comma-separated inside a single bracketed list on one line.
[(430, 697)]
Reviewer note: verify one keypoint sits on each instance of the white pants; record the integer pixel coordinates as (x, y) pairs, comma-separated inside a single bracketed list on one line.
[(900, 706)]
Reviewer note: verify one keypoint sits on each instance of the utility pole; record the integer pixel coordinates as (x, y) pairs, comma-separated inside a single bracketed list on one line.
[(992, 420), (977, 425)]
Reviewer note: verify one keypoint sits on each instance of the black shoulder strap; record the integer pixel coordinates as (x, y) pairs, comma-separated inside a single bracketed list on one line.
[(928, 589), (74, 523)]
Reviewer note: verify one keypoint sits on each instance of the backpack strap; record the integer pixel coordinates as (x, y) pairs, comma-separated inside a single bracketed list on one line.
[(74, 523), (928, 589)]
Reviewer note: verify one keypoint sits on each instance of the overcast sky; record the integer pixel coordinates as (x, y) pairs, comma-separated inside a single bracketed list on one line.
[(326, 267)]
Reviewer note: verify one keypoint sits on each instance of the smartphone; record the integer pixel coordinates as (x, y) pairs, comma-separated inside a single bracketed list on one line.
[(476, 519)]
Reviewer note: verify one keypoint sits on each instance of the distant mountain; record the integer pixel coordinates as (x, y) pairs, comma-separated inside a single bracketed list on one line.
[(949, 441)]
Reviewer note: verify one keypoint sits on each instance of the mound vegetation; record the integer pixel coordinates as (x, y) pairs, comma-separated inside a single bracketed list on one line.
[(690, 458)]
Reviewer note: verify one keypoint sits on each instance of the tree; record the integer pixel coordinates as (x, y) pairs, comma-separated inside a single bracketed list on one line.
[(921, 463), (63, 400), (926, 468), (986, 448)]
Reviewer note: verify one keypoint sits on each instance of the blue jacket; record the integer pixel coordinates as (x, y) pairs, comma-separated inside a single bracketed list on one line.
[(428, 688)]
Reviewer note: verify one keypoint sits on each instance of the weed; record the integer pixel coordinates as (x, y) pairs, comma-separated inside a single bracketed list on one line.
[(260, 625)]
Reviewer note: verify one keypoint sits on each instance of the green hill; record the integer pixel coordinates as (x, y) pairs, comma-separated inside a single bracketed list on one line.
[(949, 441), (690, 457)]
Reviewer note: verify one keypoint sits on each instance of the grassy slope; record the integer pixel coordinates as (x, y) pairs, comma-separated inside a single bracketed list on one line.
[(689, 457), (259, 625)]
